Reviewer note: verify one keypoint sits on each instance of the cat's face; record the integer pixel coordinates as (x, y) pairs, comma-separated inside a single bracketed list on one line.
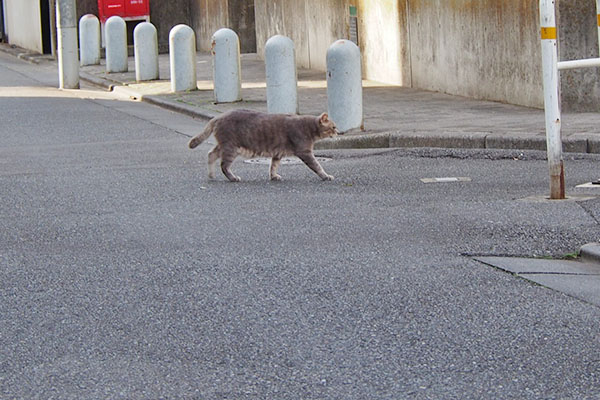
[(327, 126)]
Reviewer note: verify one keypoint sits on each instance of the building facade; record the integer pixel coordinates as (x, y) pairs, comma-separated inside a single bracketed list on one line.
[(484, 49)]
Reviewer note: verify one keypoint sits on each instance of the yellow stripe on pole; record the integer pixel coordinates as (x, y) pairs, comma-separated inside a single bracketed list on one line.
[(598, 19), (548, 33)]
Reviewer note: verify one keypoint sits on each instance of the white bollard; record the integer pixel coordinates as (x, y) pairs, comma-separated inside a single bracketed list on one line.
[(89, 40), (68, 61), (552, 99), (226, 66), (344, 85), (145, 45), (182, 57), (116, 45), (282, 78)]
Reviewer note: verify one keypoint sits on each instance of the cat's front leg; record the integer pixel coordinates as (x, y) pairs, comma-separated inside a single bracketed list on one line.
[(309, 159), (275, 161)]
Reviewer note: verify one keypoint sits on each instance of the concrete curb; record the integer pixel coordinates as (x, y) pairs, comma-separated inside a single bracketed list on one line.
[(179, 107), (25, 55), (101, 82), (458, 140), (590, 253)]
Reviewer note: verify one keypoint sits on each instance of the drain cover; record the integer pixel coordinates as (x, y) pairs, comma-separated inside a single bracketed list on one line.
[(448, 179), (284, 161), (593, 185)]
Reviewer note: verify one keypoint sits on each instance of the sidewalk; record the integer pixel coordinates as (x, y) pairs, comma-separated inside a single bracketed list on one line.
[(393, 116)]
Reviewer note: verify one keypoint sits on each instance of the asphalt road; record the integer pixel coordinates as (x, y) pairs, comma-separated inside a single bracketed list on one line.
[(126, 274)]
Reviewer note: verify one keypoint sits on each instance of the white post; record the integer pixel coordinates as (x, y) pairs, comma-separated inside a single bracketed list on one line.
[(89, 40), (227, 75), (182, 57), (282, 79), (598, 20), (68, 60), (145, 45), (552, 99), (116, 44), (344, 85)]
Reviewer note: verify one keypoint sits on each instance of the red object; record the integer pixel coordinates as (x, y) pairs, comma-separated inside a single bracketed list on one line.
[(127, 9)]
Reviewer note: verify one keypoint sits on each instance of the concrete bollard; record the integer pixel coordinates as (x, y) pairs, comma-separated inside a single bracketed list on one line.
[(282, 78), (66, 32), (226, 66), (116, 45), (89, 40), (344, 85), (145, 45), (182, 57)]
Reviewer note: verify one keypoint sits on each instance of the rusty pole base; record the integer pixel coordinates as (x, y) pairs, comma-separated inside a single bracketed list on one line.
[(557, 184)]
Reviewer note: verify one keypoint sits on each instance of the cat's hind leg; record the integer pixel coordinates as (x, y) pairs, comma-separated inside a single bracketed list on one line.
[(213, 156), (227, 157), (275, 161)]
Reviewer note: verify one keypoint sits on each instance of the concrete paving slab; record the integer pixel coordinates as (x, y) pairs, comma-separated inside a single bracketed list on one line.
[(518, 265), (575, 278), (590, 252), (583, 287)]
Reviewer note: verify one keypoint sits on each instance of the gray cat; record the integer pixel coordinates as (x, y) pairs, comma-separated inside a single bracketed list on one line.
[(254, 134)]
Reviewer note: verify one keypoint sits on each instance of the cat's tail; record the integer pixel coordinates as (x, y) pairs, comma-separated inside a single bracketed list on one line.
[(201, 137)]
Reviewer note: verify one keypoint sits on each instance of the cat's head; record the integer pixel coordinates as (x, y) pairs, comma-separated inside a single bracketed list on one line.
[(327, 127)]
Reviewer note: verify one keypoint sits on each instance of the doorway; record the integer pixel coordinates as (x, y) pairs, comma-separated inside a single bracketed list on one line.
[(2, 34), (46, 31)]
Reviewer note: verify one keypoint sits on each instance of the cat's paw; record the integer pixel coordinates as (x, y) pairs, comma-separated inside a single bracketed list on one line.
[(235, 179), (276, 177), (327, 177)]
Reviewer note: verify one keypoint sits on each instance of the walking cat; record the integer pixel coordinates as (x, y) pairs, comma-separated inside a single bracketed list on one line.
[(254, 134)]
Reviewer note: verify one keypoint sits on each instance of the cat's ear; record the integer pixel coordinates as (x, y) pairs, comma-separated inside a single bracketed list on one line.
[(324, 118)]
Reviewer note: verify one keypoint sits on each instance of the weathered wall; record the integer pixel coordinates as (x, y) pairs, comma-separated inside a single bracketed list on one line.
[(312, 24), (280, 17), (384, 40), (24, 24), (87, 7), (208, 16), (241, 20), (165, 15), (486, 49), (578, 35)]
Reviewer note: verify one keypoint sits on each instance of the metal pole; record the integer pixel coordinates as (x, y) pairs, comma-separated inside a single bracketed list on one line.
[(552, 99), (598, 19), (68, 60)]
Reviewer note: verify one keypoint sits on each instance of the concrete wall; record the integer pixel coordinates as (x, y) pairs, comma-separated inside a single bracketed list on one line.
[(208, 16), (165, 15), (384, 41), (312, 24), (24, 24), (578, 35), (485, 49)]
